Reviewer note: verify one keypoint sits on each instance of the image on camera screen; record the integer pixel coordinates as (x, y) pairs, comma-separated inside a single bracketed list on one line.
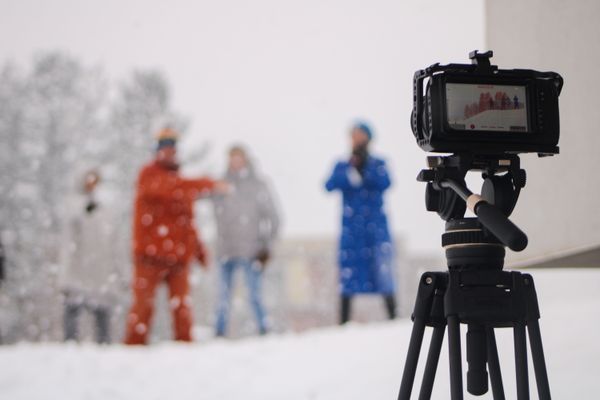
[(486, 107)]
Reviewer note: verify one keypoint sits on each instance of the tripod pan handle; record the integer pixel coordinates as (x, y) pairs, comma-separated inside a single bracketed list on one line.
[(498, 223)]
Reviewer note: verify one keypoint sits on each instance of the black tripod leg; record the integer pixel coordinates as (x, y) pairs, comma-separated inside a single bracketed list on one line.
[(521, 361), (539, 362), (494, 365), (435, 347), (412, 358), (431, 282), (477, 375), (456, 387)]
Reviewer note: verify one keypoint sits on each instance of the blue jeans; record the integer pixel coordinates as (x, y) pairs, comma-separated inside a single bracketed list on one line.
[(253, 275)]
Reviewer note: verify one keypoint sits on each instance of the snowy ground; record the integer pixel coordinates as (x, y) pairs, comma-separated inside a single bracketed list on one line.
[(354, 362)]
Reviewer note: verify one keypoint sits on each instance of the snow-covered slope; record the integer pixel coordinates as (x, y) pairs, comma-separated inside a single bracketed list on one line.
[(353, 362)]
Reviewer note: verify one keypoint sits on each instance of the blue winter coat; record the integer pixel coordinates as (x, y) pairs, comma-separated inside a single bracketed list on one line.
[(366, 252)]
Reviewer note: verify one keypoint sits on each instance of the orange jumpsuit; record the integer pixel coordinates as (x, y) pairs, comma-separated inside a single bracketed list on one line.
[(164, 241)]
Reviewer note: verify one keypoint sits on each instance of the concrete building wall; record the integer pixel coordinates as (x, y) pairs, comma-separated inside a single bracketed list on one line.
[(559, 208)]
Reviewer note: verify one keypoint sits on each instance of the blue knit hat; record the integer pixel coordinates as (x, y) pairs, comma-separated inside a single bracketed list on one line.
[(364, 127), (166, 137)]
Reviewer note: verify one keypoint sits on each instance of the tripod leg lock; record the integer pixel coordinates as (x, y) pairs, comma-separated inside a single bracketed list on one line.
[(429, 305)]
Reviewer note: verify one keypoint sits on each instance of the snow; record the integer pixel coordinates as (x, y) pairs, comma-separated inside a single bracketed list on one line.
[(352, 362)]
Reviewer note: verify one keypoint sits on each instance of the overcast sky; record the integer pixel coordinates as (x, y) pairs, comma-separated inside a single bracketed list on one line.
[(286, 78)]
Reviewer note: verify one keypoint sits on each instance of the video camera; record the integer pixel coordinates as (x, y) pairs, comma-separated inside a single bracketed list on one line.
[(480, 109)]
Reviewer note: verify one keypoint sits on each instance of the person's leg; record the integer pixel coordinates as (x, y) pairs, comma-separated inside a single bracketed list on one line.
[(71, 316), (390, 305), (180, 303), (254, 284), (225, 285), (146, 279), (102, 316), (345, 308)]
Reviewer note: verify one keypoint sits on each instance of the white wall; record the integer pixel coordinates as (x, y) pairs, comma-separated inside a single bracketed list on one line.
[(559, 208)]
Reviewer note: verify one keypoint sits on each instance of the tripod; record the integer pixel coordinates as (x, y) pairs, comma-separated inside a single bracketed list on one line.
[(475, 290)]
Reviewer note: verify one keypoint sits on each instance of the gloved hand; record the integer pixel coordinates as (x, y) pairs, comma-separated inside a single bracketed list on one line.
[(223, 187), (262, 257), (202, 255), (91, 206), (359, 158)]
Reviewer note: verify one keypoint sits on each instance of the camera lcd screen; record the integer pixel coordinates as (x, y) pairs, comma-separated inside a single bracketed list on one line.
[(486, 107)]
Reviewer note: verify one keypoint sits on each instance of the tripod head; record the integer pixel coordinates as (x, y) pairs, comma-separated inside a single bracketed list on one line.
[(448, 195), (476, 244)]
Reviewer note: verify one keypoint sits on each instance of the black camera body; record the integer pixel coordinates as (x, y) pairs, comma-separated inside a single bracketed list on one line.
[(480, 109)]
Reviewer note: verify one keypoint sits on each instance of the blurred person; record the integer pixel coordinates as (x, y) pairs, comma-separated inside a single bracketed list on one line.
[(89, 275), (2, 277), (365, 252), (165, 240), (247, 224)]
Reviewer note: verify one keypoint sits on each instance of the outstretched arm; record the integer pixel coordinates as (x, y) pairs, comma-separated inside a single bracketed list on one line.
[(171, 186), (197, 187)]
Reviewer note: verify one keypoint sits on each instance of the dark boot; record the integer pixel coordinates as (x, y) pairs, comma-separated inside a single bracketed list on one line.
[(390, 305), (102, 315), (345, 305), (70, 320)]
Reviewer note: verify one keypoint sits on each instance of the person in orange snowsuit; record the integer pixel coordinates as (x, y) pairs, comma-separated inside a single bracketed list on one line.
[(164, 240)]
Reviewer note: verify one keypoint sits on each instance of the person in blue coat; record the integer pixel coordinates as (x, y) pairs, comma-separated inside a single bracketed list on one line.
[(365, 253)]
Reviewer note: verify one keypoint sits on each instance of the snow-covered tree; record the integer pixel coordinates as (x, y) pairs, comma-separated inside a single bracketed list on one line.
[(46, 114), (56, 121)]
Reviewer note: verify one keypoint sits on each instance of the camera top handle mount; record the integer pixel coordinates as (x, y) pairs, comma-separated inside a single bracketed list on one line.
[(448, 195)]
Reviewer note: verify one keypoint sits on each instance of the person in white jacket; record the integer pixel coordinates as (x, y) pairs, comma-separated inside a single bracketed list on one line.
[(89, 273)]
